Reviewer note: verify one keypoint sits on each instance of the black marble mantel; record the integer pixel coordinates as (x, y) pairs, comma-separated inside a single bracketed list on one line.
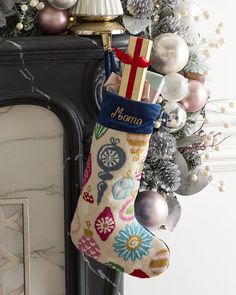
[(64, 74)]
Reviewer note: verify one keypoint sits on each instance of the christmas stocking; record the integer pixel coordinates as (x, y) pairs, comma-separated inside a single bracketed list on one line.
[(104, 225)]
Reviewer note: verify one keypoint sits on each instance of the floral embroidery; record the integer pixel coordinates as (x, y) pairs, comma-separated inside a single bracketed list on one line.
[(133, 242), (105, 224)]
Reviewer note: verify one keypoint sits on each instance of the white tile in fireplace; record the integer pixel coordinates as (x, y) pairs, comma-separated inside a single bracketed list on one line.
[(31, 166)]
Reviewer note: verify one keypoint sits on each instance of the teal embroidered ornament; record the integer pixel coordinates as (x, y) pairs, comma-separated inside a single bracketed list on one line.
[(99, 131), (110, 158), (123, 187)]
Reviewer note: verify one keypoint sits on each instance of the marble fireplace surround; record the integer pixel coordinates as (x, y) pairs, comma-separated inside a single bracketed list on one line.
[(53, 73)]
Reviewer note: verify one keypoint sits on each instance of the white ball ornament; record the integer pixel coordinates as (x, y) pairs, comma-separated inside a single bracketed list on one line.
[(175, 87), (33, 3), (24, 7), (40, 6), (62, 4), (19, 26), (170, 53)]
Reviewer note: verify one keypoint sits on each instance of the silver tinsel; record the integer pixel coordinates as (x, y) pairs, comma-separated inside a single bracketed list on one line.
[(140, 8), (162, 145)]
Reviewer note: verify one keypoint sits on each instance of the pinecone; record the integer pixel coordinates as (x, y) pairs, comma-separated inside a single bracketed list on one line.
[(169, 24), (140, 8), (148, 181), (168, 176), (167, 3), (162, 145)]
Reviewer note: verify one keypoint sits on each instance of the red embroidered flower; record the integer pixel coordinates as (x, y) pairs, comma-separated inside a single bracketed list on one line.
[(105, 224)]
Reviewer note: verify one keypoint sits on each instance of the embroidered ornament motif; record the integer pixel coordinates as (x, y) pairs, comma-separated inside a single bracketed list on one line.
[(88, 171), (87, 244), (99, 131), (110, 158), (133, 242), (105, 224), (139, 171), (123, 187), (75, 226), (159, 262), (87, 196), (115, 266), (138, 143), (139, 273), (127, 210)]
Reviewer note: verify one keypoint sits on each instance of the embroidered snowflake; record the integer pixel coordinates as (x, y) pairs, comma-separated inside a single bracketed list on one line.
[(133, 242), (105, 225), (110, 158)]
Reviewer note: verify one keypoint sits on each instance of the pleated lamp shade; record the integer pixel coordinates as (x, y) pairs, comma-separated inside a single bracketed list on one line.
[(98, 9)]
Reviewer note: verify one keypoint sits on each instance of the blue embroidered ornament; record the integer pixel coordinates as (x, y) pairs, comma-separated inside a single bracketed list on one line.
[(110, 158), (123, 188)]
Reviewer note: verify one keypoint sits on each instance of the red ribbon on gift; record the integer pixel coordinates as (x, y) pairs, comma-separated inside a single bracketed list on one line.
[(136, 62)]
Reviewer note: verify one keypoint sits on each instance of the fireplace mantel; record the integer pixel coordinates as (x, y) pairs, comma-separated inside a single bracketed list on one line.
[(63, 74)]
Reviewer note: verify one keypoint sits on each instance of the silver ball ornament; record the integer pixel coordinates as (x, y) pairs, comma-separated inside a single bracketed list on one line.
[(62, 4), (170, 53), (175, 87), (175, 116), (151, 209)]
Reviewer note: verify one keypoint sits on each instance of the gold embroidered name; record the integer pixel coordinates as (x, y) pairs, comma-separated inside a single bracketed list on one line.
[(118, 114)]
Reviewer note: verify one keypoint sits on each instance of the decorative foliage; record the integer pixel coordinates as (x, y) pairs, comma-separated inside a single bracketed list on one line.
[(193, 160)]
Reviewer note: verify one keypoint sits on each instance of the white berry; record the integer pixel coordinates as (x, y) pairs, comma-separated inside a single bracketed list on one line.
[(33, 3), (24, 7), (194, 177), (40, 6), (19, 26)]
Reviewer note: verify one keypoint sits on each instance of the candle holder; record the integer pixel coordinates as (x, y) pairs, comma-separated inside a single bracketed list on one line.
[(95, 17)]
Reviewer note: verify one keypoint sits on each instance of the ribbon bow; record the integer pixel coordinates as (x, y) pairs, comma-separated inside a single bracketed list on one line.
[(139, 62)]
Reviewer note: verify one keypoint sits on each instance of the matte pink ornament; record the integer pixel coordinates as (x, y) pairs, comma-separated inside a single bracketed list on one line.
[(196, 98), (53, 21), (151, 209)]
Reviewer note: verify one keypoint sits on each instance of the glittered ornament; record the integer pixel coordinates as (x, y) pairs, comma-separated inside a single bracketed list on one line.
[(151, 209), (170, 53), (197, 97), (62, 4), (175, 87), (53, 21), (175, 117)]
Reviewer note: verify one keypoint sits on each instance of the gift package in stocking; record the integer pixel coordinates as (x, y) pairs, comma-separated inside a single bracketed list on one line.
[(104, 225)]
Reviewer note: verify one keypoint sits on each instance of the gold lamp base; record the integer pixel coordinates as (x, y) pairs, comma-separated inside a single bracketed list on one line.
[(97, 28)]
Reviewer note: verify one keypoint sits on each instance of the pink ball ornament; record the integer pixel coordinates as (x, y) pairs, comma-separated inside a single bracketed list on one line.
[(151, 209), (53, 21), (197, 97)]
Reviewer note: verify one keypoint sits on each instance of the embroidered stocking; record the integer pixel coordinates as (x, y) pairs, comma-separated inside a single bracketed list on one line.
[(104, 226)]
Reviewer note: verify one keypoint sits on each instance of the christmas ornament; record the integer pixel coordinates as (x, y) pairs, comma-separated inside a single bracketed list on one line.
[(87, 243), (197, 97), (175, 87), (123, 187), (126, 212), (151, 209), (62, 4), (99, 131), (162, 145), (87, 196), (52, 20), (139, 273), (105, 224), (175, 117), (170, 53), (140, 8), (159, 262), (110, 158)]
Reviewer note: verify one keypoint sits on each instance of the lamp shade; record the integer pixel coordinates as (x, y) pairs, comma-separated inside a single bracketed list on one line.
[(98, 9)]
